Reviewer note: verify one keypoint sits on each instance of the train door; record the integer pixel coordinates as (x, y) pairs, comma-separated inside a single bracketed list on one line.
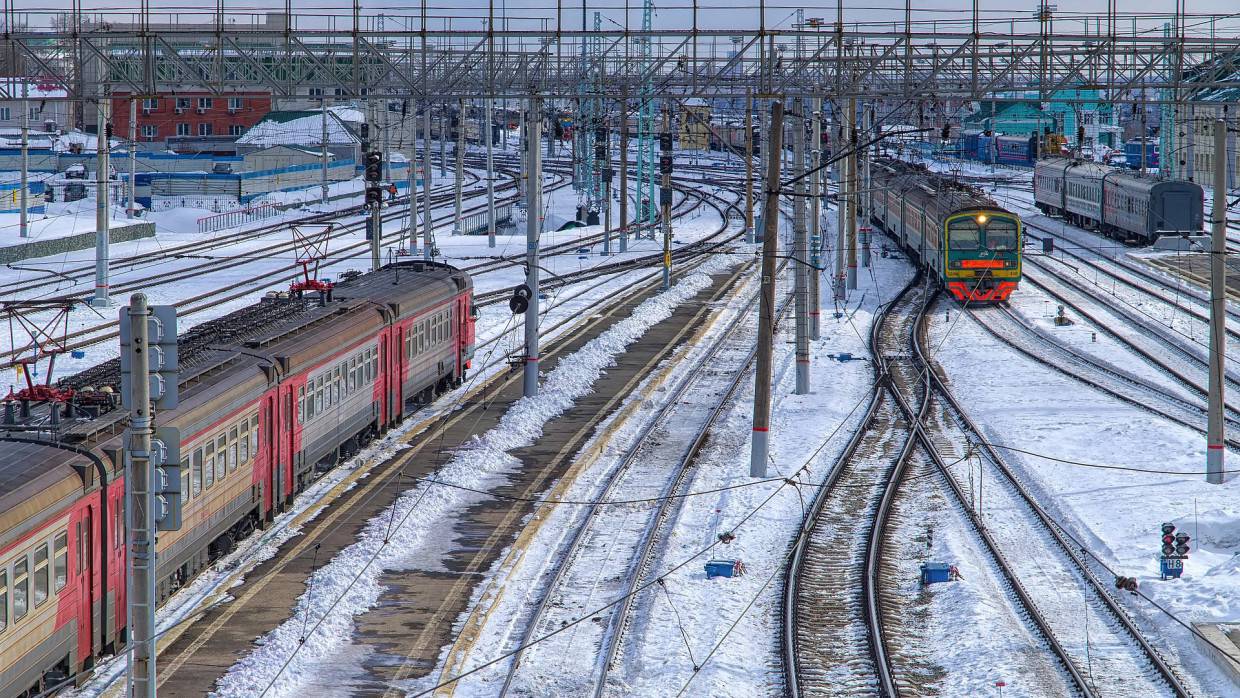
[(88, 614), (288, 480), (272, 479)]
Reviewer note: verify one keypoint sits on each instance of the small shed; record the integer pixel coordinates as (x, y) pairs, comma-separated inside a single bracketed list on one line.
[(281, 156)]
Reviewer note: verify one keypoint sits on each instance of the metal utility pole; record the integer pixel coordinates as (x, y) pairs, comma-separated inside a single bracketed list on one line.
[(141, 520), (800, 275), (533, 173), (24, 224), (427, 233), (851, 176), (815, 213), (323, 197), (100, 299), (1215, 446), (132, 208), (665, 194), (148, 349), (766, 308), (141, 606), (460, 164), (489, 136), (750, 236), (624, 170)]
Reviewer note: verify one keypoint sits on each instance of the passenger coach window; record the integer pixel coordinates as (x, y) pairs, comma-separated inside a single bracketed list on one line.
[(40, 574), (185, 479), (197, 481), (254, 436), (209, 469), (232, 449), (962, 234), (4, 599), (20, 589), (60, 572), (1001, 234)]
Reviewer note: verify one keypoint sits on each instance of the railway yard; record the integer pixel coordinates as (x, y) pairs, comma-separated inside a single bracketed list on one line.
[(511, 354)]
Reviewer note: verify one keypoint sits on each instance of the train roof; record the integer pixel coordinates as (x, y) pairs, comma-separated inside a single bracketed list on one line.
[(939, 193), (239, 349), (36, 479), (1126, 178)]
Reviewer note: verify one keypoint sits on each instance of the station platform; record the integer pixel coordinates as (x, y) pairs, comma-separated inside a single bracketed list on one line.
[(1222, 643)]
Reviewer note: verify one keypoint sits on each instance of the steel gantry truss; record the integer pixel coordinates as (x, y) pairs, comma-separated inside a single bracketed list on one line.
[(356, 56)]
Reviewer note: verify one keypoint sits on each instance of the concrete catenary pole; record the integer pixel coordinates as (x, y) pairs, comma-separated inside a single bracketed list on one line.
[(665, 199), (100, 298), (23, 226), (132, 206), (141, 520), (533, 187), (766, 308), (488, 134), (1215, 446), (867, 195), (841, 211), (428, 239), (851, 176), (750, 236), (815, 213), (800, 251), (460, 167), (323, 153), (624, 170), (443, 141)]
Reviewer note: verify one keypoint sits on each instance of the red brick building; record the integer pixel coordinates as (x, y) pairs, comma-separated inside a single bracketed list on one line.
[(190, 114)]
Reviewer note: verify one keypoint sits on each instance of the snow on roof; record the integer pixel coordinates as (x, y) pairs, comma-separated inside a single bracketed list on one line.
[(696, 102), (304, 128), (36, 88), (350, 114)]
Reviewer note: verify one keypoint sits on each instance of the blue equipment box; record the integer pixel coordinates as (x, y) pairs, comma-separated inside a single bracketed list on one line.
[(932, 572), (720, 568)]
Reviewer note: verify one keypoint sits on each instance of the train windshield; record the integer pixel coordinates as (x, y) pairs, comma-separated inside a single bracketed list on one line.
[(963, 234), (1001, 234)]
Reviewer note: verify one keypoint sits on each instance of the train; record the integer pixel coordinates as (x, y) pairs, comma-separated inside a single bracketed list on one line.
[(1132, 153), (983, 146), (271, 396), (731, 137), (966, 242), (1117, 203)]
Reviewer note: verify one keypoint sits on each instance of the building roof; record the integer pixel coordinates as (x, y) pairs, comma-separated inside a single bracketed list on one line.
[(299, 128), (1224, 67)]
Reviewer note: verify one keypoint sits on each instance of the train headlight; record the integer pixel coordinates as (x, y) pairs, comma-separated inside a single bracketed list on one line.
[(981, 218)]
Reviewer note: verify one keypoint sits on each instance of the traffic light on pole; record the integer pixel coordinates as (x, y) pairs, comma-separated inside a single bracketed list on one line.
[(1181, 544), (168, 474), (665, 164), (374, 166), (374, 195), (1168, 539), (665, 142)]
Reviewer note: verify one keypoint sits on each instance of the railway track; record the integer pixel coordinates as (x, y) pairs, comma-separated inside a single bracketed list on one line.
[(833, 634), (1115, 655), (90, 336), (354, 497), (1013, 331), (656, 465), (860, 649)]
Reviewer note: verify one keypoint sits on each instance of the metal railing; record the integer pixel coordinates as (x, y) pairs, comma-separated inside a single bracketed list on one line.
[(476, 223), (241, 216)]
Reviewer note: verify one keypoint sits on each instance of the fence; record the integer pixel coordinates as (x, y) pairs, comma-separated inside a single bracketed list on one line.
[(241, 216), (476, 223)]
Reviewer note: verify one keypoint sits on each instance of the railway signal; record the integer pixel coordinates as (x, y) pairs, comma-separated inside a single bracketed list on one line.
[(374, 166), (1174, 552), (520, 300), (149, 379)]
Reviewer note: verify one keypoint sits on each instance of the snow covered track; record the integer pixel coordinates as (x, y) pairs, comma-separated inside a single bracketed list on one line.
[(832, 639), (1086, 627), (589, 571)]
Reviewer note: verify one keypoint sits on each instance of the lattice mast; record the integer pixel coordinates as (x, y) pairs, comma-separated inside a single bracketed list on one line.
[(646, 199)]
